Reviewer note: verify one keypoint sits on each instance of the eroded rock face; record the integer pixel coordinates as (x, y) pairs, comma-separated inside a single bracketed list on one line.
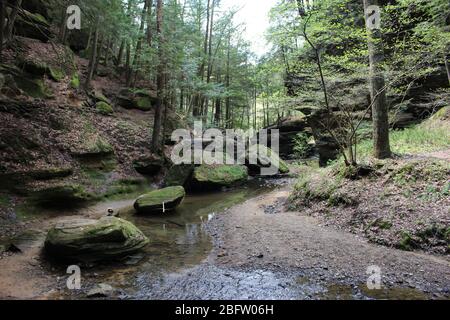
[(94, 240), (217, 176), (62, 195), (160, 201), (148, 165), (179, 175)]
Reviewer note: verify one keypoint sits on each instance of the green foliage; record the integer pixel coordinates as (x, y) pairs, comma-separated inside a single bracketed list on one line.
[(414, 140), (75, 81), (301, 145), (104, 108)]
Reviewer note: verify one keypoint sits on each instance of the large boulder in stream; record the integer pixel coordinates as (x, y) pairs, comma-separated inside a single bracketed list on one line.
[(260, 157), (217, 176), (160, 201), (94, 240)]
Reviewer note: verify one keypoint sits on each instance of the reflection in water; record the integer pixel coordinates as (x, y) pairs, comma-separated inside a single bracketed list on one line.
[(178, 239)]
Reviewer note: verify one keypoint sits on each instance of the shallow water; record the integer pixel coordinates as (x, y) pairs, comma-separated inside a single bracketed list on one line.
[(172, 265)]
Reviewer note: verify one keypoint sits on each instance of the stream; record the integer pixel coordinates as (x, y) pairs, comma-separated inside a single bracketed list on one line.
[(178, 263)]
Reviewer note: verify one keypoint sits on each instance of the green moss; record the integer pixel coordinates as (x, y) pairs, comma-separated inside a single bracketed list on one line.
[(56, 74), (75, 81), (442, 114), (407, 242), (163, 195), (4, 201), (221, 175), (35, 88), (143, 103), (320, 185), (104, 108), (62, 195), (94, 240), (159, 201), (100, 97), (125, 187)]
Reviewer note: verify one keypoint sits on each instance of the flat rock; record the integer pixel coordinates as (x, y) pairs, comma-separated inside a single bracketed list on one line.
[(160, 201), (94, 240)]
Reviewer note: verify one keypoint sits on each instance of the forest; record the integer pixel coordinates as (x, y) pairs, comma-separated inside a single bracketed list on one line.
[(316, 149)]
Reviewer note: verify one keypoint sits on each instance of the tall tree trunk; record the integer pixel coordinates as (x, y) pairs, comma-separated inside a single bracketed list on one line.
[(63, 26), (12, 19), (198, 106), (120, 55), (137, 54), (447, 66), (228, 81), (99, 53), (109, 44), (2, 27), (149, 22), (382, 149), (93, 59), (218, 107), (128, 64), (156, 138)]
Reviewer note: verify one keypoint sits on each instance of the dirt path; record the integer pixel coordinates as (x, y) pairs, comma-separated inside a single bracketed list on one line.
[(260, 234)]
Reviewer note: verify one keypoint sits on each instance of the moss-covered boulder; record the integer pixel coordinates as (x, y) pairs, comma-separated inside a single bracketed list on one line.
[(148, 166), (179, 175), (143, 104), (34, 88), (135, 99), (100, 97), (265, 158), (160, 201), (32, 25), (104, 108), (94, 240), (219, 175), (39, 68), (64, 194)]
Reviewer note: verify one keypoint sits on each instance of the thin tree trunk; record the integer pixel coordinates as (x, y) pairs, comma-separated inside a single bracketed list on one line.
[(137, 54), (12, 19), (199, 101), (218, 107), (210, 66), (108, 48), (2, 27), (89, 40), (128, 65), (99, 53), (120, 55), (447, 67), (93, 59), (156, 138), (228, 82), (382, 149), (149, 22)]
